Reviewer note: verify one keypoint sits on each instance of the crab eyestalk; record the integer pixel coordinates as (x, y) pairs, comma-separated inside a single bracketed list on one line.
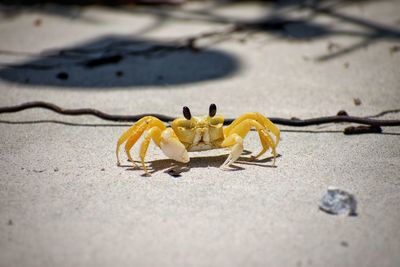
[(212, 111), (186, 113)]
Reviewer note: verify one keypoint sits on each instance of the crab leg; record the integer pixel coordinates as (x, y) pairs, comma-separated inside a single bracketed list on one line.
[(134, 133), (261, 119), (239, 132), (236, 142), (269, 142), (264, 144), (129, 133), (155, 134), (132, 140)]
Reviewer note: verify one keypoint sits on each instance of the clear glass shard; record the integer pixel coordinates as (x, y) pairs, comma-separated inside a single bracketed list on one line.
[(337, 201)]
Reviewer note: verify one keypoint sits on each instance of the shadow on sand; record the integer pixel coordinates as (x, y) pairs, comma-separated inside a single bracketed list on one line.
[(114, 61), (176, 169)]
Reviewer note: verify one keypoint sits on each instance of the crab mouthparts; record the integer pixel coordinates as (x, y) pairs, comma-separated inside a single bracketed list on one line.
[(203, 140), (202, 137)]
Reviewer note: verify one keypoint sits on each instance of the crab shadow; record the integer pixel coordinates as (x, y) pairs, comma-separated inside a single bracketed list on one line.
[(176, 169), (122, 62)]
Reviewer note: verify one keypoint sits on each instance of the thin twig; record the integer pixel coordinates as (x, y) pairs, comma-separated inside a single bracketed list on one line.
[(383, 113), (132, 118)]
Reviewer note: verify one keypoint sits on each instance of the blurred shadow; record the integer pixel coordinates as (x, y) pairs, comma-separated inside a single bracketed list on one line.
[(115, 61), (280, 22)]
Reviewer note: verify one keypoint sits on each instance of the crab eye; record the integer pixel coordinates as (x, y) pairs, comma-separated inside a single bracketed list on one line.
[(214, 122), (186, 113), (212, 110)]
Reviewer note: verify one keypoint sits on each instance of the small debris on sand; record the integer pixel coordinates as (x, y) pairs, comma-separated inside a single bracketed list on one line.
[(394, 49), (174, 172), (37, 22), (357, 101), (333, 46), (62, 76), (342, 113), (337, 201), (362, 129), (119, 73)]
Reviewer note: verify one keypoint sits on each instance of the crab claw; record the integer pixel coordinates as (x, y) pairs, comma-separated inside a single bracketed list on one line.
[(172, 147)]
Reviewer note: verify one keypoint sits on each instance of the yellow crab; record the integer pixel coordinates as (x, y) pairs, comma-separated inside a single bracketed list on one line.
[(192, 133)]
